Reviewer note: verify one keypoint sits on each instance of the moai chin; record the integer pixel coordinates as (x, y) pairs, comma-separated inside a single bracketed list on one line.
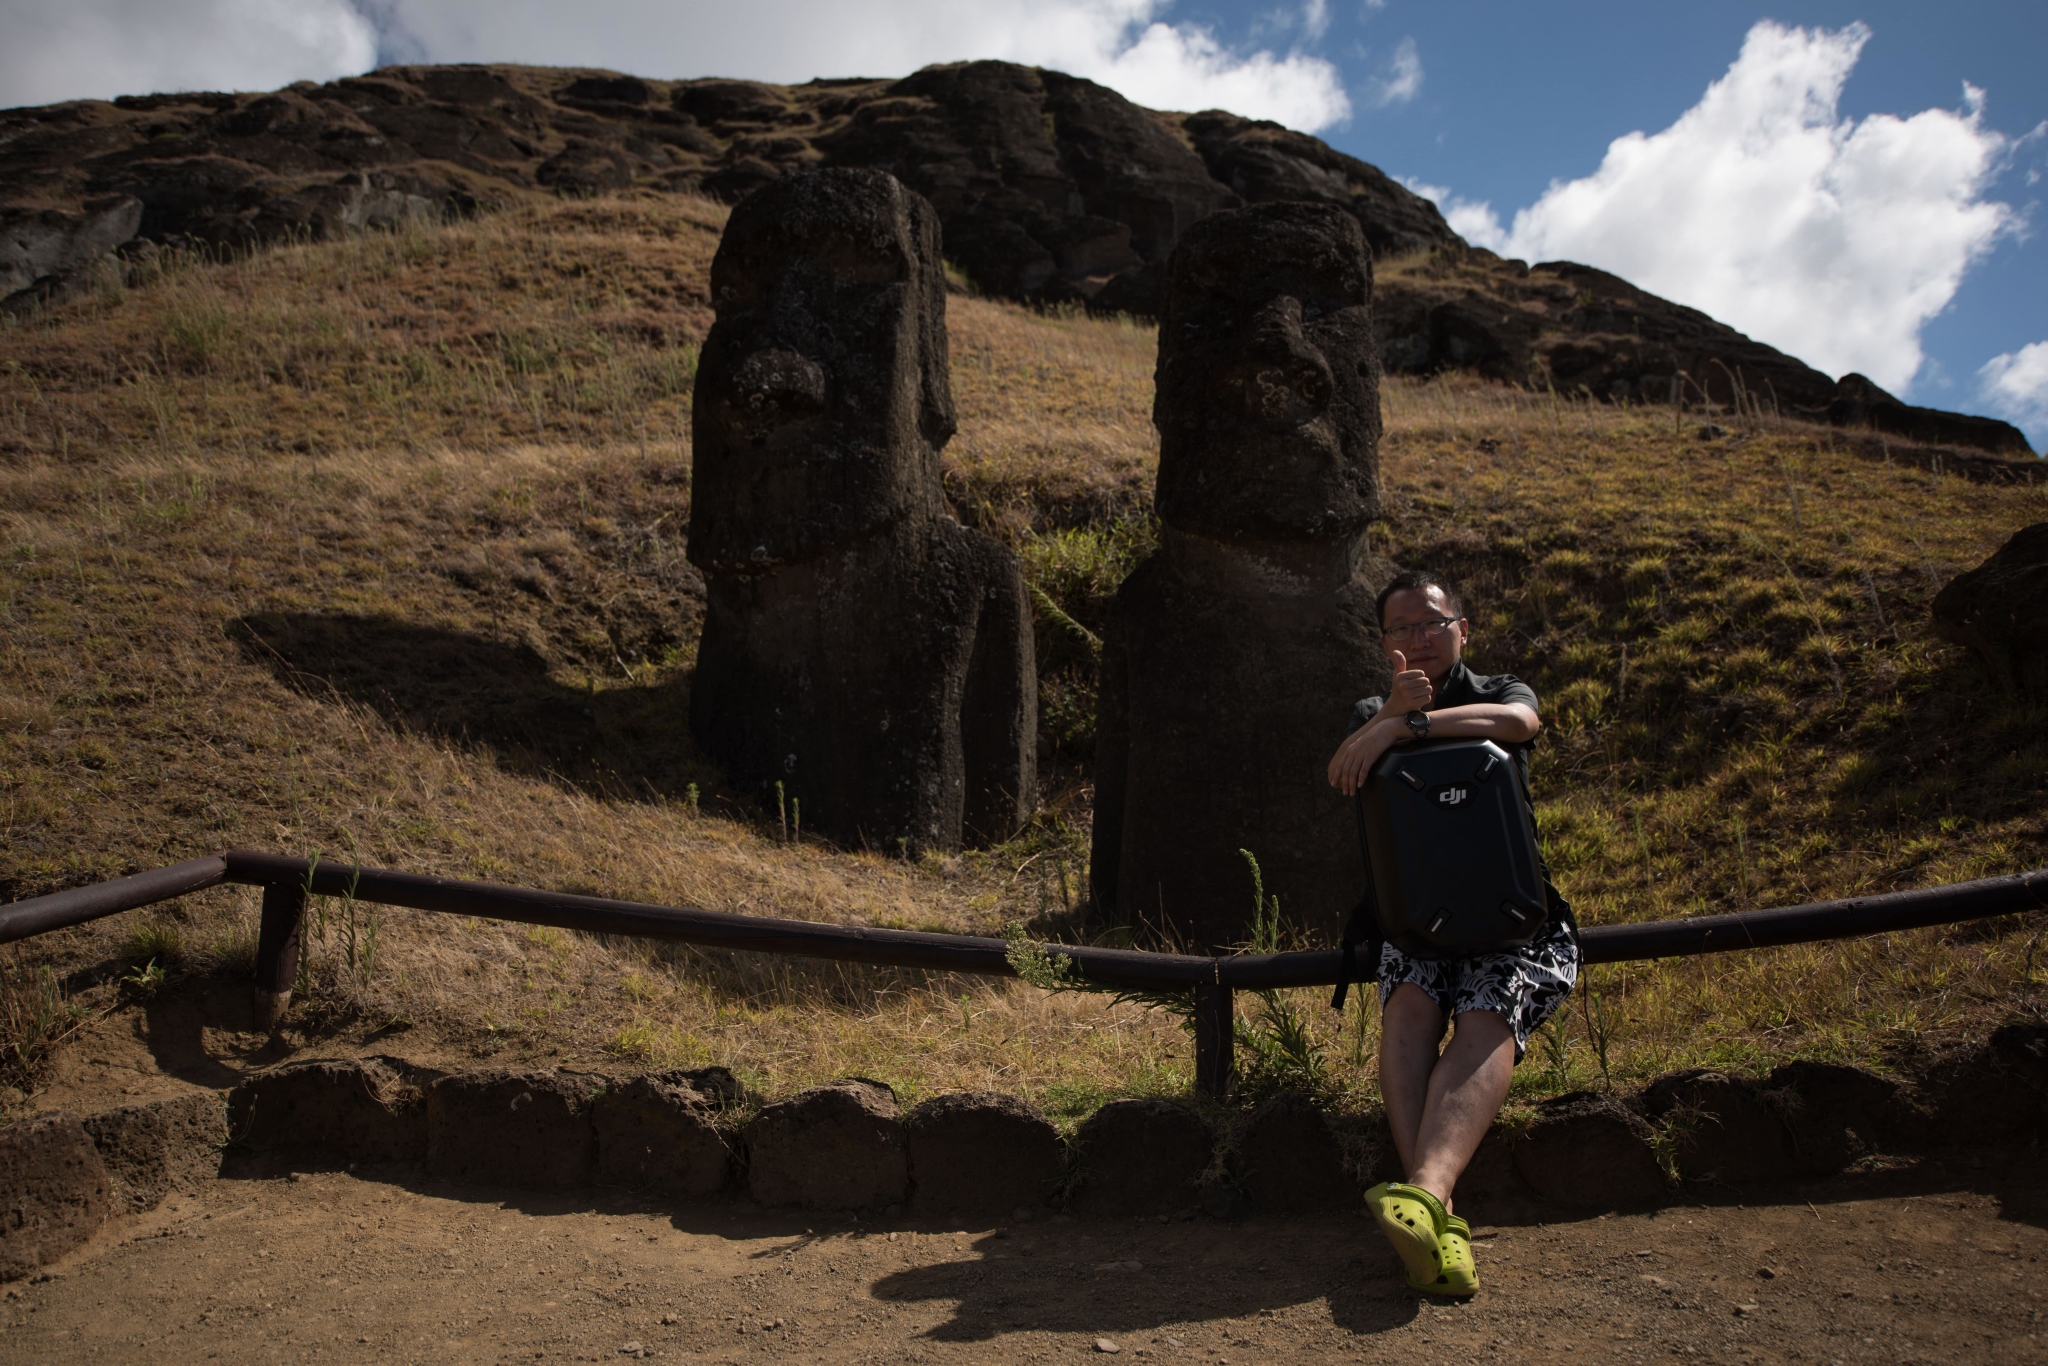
[(860, 647), (1234, 654)]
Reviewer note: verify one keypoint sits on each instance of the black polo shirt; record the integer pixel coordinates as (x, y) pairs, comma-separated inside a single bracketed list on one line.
[(1462, 688)]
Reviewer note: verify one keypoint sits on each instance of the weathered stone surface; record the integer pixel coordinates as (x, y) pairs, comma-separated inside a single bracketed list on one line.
[(47, 253), (1589, 1152), (1268, 415), (1140, 1157), (1722, 1128), (832, 1147), (715, 101), (509, 1128), (628, 90), (1490, 1185), (1859, 403), (1582, 331), (54, 1192), (166, 1145), (1050, 187), (862, 652), (658, 1136), (1836, 1114), (1999, 610), (1264, 163), (1994, 1093), (823, 394), (361, 1109), (981, 1152), (1289, 1160)]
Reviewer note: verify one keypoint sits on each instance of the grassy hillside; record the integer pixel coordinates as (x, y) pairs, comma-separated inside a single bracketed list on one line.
[(374, 548)]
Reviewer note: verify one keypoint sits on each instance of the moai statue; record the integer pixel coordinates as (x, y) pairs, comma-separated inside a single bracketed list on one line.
[(1234, 654), (861, 647)]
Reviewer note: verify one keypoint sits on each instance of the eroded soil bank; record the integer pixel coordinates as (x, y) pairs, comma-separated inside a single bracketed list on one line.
[(1928, 1265)]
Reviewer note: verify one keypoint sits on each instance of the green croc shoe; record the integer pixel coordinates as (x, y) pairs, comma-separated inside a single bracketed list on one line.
[(1457, 1275), (1413, 1221)]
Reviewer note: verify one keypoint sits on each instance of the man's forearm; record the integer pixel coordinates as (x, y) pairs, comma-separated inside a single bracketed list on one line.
[(1482, 721)]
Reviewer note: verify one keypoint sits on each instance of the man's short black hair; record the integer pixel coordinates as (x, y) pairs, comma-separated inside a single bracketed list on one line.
[(1410, 580)]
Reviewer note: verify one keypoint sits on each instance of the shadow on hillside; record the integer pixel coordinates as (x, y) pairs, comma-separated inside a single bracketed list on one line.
[(489, 696)]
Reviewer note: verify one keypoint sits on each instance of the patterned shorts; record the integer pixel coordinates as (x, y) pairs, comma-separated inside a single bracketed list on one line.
[(1524, 987)]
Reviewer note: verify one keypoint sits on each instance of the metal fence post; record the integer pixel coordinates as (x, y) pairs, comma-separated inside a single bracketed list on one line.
[(277, 951), (1215, 1031)]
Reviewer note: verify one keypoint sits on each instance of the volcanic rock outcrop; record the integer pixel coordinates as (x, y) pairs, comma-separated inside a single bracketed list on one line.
[(2000, 610), (1234, 650), (1049, 188), (861, 647)]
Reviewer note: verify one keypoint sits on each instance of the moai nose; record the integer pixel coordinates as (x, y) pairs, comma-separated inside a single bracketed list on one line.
[(779, 382), (1282, 379)]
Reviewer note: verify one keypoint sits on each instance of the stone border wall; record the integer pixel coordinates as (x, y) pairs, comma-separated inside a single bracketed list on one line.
[(847, 1146)]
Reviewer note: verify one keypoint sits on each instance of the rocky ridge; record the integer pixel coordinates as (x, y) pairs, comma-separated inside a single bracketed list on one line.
[(1050, 188)]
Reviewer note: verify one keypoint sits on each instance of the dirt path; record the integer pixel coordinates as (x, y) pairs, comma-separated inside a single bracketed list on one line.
[(329, 1266)]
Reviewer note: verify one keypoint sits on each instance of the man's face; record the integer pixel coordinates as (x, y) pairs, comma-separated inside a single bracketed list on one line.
[(1414, 626), (815, 417), (1268, 384)]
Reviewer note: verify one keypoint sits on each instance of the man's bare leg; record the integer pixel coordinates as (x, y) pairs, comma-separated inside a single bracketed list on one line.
[(1465, 1093), (1440, 1107), (1411, 1028)]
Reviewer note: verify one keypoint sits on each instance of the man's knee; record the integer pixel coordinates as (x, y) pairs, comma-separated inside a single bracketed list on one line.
[(1410, 1002), (1486, 1027)]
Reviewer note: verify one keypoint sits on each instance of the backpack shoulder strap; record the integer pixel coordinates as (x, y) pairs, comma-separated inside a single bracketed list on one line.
[(1361, 930), (1362, 938)]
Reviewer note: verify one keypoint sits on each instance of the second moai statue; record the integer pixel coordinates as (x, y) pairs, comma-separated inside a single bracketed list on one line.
[(861, 647), (1234, 654)]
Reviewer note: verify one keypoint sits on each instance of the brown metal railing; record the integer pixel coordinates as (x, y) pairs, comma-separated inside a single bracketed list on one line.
[(288, 882)]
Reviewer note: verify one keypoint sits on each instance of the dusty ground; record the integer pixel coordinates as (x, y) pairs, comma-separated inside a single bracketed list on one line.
[(333, 1266)]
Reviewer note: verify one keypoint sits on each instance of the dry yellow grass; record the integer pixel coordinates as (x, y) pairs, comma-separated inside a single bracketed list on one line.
[(1747, 706), (374, 548)]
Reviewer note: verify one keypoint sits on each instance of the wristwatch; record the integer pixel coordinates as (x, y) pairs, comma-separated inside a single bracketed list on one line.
[(1418, 724)]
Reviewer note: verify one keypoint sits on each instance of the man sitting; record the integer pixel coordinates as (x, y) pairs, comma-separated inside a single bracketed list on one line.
[(1441, 1103)]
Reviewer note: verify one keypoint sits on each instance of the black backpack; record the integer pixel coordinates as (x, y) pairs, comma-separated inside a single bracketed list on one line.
[(1452, 863)]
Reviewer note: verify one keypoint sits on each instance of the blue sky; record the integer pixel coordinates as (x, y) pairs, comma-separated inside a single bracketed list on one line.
[(1514, 96), (1839, 194)]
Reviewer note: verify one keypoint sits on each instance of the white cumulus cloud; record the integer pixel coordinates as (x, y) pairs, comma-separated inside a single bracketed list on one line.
[(72, 48), (1829, 238), (1315, 18), (95, 49), (1402, 80), (2015, 386)]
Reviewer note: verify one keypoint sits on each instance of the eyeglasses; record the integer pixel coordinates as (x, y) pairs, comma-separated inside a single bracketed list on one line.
[(1434, 628)]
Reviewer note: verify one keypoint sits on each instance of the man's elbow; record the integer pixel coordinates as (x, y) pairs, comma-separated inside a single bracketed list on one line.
[(1526, 721)]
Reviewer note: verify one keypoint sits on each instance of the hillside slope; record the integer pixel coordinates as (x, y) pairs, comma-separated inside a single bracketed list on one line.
[(1051, 189), (372, 547)]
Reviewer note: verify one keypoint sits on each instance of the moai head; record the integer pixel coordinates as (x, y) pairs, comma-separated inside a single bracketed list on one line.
[(1267, 398), (822, 398)]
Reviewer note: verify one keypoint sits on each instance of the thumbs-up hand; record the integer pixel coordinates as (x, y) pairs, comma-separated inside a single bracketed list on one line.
[(1411, 690)]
